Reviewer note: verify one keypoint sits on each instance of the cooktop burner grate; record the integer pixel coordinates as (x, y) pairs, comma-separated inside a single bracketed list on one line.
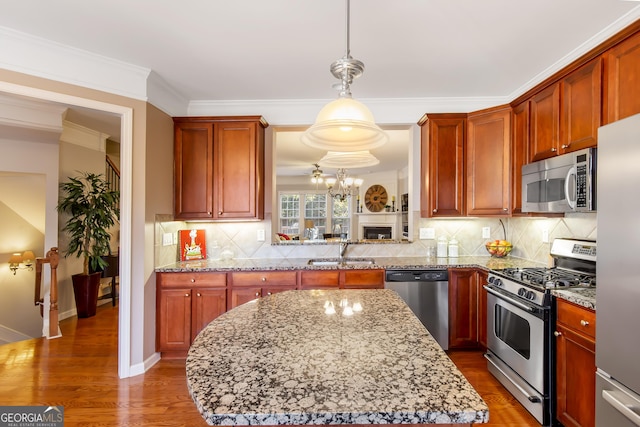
[(549, 277)]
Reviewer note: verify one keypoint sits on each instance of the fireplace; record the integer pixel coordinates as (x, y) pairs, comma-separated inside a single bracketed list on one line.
[(376, 232)]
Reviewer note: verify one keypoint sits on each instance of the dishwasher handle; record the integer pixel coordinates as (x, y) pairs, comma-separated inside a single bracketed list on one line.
[(417, 275)]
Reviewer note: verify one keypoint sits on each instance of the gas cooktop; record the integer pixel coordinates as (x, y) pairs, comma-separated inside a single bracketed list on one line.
[(553, 277)]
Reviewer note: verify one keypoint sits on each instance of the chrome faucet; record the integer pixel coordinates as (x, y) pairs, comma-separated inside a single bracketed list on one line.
[(343, 248)]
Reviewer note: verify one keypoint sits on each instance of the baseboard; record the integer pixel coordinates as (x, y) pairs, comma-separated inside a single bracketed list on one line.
[(141, 368), (8, 335)]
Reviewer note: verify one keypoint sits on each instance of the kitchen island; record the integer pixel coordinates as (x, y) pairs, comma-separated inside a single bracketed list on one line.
[(326, 357)]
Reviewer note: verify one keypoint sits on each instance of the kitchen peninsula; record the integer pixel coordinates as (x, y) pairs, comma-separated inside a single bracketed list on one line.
[(298, 358)]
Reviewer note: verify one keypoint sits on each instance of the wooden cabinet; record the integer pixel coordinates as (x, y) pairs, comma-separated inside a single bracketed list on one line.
[(519, 153), (581, 114), (186, 303), (219, 167), (566, 115), (442, 165), (342, 279), (247, 286), (544, 121), (575, 364), (622, 89), (362, 279), (488, 162), (463, 308)]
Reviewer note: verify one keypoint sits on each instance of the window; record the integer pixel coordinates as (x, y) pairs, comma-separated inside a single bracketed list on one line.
[(318, 213)]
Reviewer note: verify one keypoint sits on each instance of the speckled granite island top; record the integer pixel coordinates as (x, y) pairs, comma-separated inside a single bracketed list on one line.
[(585, 297), (285, 359)]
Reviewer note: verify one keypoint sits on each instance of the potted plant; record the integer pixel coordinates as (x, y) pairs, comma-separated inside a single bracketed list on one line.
[(92, 209)]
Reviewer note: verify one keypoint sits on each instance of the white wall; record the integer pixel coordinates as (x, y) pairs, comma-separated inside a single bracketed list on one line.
[(40, 159)]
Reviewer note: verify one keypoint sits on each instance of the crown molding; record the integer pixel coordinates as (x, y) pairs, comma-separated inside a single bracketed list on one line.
[(74, 133), (39, 57)]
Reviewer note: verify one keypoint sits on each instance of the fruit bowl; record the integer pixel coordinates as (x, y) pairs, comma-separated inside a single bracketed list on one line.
[(499, 248)]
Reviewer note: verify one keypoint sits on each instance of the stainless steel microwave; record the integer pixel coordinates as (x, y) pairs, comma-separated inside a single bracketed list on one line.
[(565, 183)]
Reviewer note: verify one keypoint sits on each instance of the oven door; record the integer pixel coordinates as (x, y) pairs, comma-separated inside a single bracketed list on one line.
[(515, 334)]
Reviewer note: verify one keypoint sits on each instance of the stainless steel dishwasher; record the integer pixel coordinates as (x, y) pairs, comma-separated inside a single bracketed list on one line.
[(426, 292)]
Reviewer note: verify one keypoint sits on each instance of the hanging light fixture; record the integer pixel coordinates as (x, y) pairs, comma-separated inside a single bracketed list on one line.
[(345, 124), (352, 159), (316, 175), (343, 186)]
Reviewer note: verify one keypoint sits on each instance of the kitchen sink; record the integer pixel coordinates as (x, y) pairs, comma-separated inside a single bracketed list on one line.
[(345, 261)]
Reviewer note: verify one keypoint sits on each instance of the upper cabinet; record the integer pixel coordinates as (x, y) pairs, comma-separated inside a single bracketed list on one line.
[(566, 115), (622, 64), (544, 121), (488, 162), (442, 165), (219, 167)]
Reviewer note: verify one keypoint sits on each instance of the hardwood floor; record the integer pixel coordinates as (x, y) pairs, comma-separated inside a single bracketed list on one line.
[(79, 372)]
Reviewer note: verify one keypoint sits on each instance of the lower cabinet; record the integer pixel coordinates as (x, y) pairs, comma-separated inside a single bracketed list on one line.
[(247, 286), (186, 303), (467, 309), (575, 364), (342, 279)]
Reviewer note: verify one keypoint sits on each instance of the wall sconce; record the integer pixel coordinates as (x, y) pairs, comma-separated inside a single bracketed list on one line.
[(27, 258)]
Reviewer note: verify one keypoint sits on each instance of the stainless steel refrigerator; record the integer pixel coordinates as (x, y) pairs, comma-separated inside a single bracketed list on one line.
[(618, 275)]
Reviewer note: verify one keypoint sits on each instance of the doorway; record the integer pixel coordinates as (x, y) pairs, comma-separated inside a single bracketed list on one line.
[(125, 115)]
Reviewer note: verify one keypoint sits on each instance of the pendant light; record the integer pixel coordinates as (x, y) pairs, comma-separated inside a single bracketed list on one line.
[(345, 124)]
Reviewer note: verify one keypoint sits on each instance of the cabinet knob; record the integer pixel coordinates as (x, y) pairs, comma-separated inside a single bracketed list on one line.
[(557, 334), (505, 209), (186, 295), (553, 149), (199, 294), (268, 293), (264, 279), (565, 146), (193, 280), (257, 294), (584, 323), (435, 210), (219, 212)]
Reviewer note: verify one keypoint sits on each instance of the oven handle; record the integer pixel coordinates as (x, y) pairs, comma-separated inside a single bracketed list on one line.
[(533, 399), (510, 300)]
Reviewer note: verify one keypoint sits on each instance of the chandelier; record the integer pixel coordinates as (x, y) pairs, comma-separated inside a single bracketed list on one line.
[(343, 186), (345, 124)]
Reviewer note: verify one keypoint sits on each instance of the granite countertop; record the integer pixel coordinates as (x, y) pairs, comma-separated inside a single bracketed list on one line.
[(585, 297), (251, 264), (282, 360)]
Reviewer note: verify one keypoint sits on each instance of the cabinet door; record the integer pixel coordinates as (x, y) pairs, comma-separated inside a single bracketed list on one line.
[(442, 165), (319, 279), (519, 153), (239, 170), (241, 295), (207, 304), (488, 162), (622, 63), (193, 169), (581, 107), (270, 290), (575, 378), (463, 306), (174, 320), (362, 279), (545, 123)]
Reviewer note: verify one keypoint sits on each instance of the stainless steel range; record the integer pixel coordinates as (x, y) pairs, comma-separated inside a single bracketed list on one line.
[(520, 323)]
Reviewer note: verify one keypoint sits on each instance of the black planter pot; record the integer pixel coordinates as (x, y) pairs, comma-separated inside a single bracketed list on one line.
[(85, 289)]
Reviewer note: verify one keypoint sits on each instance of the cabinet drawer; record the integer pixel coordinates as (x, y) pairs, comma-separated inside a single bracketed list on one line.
[(182, 280), (264, 278), (310, 279), (364, 279), (577, 318)]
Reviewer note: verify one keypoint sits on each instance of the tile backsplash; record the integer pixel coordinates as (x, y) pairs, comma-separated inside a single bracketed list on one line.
[(526, 235)]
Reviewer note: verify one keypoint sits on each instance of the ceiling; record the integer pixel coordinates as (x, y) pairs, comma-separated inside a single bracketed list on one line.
[(215, 50)]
